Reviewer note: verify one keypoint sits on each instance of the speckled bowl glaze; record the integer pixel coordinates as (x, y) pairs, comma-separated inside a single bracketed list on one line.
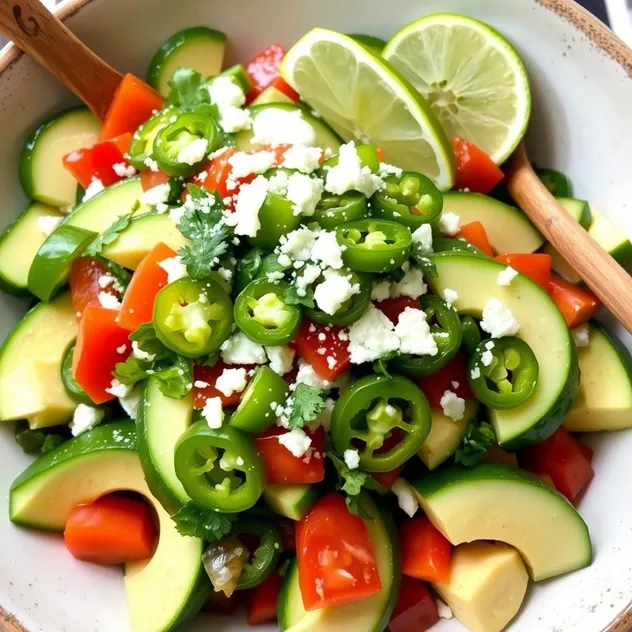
[(582, 125)]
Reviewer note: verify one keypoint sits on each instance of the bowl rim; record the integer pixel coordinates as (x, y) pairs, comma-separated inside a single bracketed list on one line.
[(581, 19)]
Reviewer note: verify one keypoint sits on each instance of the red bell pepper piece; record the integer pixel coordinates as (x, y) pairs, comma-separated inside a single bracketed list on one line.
[(536, 266), (215, 173), (425, 552), (264, 69), (475, 233), (134, 102), (147, 281), (393, 307), (416, 609), (577, 304), (85, 288), (386, 479), (262, 603), (150, 179), (475, 170), (282, 86), (101, 344), (435, 385), (208, 375), (336, 345)]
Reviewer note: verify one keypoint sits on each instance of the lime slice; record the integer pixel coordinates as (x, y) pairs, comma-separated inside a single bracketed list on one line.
[(473, 78), (363, 98)]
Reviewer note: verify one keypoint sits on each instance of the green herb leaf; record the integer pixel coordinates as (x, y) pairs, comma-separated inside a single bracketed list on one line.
[(188, 89), (147, 340), (479, 437), (380, 366), (52, 442), (110, 234), (307, 402), (247, 269), (192, 520), (291, 297), (37, 441), (177, 380)]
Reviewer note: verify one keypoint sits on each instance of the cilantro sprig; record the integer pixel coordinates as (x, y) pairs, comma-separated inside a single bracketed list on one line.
[(111, 234), (188, 89), (305, 404), (478, 438), (195, 521)]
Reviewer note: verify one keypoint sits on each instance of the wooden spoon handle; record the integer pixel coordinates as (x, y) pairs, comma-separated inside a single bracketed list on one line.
[(39, 33), (603, 275)]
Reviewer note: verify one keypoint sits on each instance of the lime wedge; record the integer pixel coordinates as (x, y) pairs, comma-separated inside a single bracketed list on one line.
[(473, 78), (365, 99)]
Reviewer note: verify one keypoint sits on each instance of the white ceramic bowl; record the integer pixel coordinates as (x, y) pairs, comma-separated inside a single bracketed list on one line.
[(582, 125)]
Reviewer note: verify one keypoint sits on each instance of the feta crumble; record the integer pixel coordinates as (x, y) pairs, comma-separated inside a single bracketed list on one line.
[(388, 170), (194, 152), (350, 175), (174, 268), (223, 91), (307, 375), (139, 354), (275, 126), (352, 459), (298, 244), (581, 335), (85, 418), (412, 284), (296, 441), (250, 199), (231, 381), (152, 164), (506, 276), (304, 192), (453, 406), (244, 164), (414, 335), (109, 301), (213, 412), (156, 195), (498, 320), (105, 280), (475, 373), (233, 119), (450, 296), (443, 610), (281, 358), (239, 349), (95, 186), (371, 337), (327, 249), (131, 402), (123, 170), (406, 498), (334, 291), (118, 390), (449, 224), (487, 357), (381, 291), (302, 158), (48, 223), (423, 237)]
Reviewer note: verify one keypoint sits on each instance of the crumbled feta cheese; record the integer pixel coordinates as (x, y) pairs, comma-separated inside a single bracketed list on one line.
[(123, 170), (231, 381), (335, 290), (498, 320), (453, 406), (414, 335), (95, 186), (109, 301), (296, 441), (304, 159), (239, 349), (304, 192), (310, 274), (506, 276), (224, 92), (449, 223), (121, 349), (350, 175), (131, 402), (174, 268), (156, 195), (443, 610), (423, 237), (298, 244), (281, 358), (176, 214), (244, 164), (406, 498), (327, 249), (381, 291), (152, 164), (487, 357), (412, 284), (307, 375), (581, 335), (250, 199), (371, 337), (201, 384), (139, 354), (489, 345), (118, 390), (194, 152), (475, 373), (85, 418), (450, 296), (105, 280), (275, 126), (278, 183), (213, 412), (234, 119), (388, 170), (48, 223), (352, 459)]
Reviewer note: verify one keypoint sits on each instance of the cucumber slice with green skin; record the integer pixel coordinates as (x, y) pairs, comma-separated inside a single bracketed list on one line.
[(579, 210), (604, 401), (42, 173), (542, 327), (199, 48), (238, 75), (374, 44), (139, 238), (271, 95), (325, 137), (51, 266), (611, 238), (160, 423), (445, 436), (518, 509), (375, 611), (30, 362), (508, 229), (19, 244), (291, 501), (70, 384), (162, 592)]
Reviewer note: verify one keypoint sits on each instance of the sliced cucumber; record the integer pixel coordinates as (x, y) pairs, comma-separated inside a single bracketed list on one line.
[(324, 136), (374, 44), (579, 210), (291, 501), (238, 75), (507, 227), (19, 244), (199, 48), (611, 238), (42, 173), (272, 95)]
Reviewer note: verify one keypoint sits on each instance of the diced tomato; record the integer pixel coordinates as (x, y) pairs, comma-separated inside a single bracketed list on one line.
[(587, 451), (264, 69), (111, 530), (380, 153), (282, 467), (393, 307), (85, 273), (562, 458), (335, 557), (536, 266), (148, 280), (262, 603), (98, 161), (577, 304), (214, 174), (475, 170), (209, 375), (425, 552), (101, 344), (475, 233), (282, 86), (386, 479), (336, 345), (435, 385), (416, 609), (150, 179), (219, 604), (134, 102), (288, 534)]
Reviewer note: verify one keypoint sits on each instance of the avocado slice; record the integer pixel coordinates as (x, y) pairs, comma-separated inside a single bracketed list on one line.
[(373, 613), (488, 582), (30, 365), (604, 401), (161, 592), (291, 501), (542, 327), (513, 507)]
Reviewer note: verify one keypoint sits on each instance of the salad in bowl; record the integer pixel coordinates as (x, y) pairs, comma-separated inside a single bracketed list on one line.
[(294, 347)]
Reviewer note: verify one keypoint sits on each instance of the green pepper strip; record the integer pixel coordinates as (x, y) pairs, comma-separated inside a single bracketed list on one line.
[(142, 143), (371, 411), (70, 384), (263, 561), (471, 334), (264, 316), (193, 318), (334, 210), (446, 332), (188, 127), (511, 376), (228, 482), (411, 199), (557, 183), (350, 310), (374, 245), (254, 413)]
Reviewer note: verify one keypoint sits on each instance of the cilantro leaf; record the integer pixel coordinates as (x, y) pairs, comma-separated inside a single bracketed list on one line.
[(479, 437), (147, 340), (306, 403), (247, 269), (188, 89), (37, 441), (380, 366), (176, 381), (291, 297), (111, 233), (195, 521), (424, 263)]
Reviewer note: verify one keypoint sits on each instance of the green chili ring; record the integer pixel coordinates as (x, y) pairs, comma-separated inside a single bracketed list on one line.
[(70, 384), (141, 147), (334, 210), (265, 558)]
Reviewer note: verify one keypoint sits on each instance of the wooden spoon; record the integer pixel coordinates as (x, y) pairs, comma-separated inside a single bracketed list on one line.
[(39, 33), (601, 273)]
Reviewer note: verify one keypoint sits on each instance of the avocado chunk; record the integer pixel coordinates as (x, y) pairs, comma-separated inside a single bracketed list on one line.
[(496, 502), (291, 501), (488, 582), (163, 591), (604, 401), (542, 327)]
